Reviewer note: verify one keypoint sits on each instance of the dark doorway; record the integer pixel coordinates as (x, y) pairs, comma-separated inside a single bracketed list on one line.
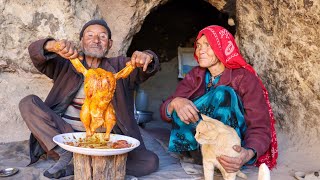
[(174, 24)]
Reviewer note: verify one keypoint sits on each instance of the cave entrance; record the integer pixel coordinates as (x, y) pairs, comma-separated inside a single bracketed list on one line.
[(169, 26), (175, 24)]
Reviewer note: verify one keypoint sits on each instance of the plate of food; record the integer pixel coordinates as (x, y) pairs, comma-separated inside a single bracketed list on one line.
[(96, 145)]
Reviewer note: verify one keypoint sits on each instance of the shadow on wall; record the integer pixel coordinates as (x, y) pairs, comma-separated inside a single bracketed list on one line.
[(174, 24)]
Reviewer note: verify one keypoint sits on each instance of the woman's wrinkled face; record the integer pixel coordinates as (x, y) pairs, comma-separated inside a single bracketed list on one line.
[(95, 41), (205, 54)]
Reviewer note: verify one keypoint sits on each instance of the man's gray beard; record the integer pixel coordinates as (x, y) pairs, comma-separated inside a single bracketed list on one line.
[(94, 54)]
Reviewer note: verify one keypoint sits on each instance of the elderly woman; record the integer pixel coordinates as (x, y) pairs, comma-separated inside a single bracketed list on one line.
[(226, 88)]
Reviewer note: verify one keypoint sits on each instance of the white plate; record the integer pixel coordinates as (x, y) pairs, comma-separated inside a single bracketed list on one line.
[(8, 172), (61, 139)]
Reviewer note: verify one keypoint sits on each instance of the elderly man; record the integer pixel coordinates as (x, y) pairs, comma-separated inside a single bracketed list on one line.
[(63, 104)]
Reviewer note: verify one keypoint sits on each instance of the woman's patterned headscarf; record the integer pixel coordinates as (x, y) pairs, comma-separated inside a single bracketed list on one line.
[(227, 51)]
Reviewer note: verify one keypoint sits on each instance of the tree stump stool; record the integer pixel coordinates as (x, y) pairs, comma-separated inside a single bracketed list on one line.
[(88, 167)]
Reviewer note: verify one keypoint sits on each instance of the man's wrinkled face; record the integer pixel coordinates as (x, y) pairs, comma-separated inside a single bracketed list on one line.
[(95, 41)]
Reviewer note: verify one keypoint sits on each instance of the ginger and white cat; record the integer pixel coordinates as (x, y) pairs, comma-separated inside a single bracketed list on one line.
[(217, 139)]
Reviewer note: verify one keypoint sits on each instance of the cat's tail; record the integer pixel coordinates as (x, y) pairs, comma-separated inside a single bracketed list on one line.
[(264, 172), (242, 175)]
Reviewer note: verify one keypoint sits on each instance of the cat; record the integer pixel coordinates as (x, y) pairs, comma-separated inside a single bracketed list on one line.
[(216, 139)]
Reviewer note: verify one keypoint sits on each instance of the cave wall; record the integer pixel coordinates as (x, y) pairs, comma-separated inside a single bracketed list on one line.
[(280, 38), (22, 22)]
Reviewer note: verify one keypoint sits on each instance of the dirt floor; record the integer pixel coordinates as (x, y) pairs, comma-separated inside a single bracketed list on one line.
[(291, 159)]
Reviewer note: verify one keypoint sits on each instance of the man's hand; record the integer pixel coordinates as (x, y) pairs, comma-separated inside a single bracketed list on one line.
[(64, 48), (141, 59), (233, 164), (186, 110)]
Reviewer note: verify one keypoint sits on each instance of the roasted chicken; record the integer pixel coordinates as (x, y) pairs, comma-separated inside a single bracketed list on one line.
[(99, 88)]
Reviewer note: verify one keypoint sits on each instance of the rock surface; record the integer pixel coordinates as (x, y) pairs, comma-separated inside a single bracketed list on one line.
[(281, 40)]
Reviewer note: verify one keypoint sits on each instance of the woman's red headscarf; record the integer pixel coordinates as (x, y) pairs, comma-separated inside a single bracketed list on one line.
[(227, 51)]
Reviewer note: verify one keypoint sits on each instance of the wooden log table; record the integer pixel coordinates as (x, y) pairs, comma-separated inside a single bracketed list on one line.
[(97, 164), (88, 167)]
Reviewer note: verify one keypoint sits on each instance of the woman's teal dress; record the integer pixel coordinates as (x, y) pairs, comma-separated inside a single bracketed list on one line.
[(221, 103)]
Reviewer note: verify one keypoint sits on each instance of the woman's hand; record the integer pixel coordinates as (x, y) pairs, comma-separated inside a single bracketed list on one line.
[(64, 48), (233, 164), (141, 59), (186, 110)]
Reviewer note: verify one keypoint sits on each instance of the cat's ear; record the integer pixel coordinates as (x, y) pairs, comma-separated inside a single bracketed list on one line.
[(208, 119), (205, 118)]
